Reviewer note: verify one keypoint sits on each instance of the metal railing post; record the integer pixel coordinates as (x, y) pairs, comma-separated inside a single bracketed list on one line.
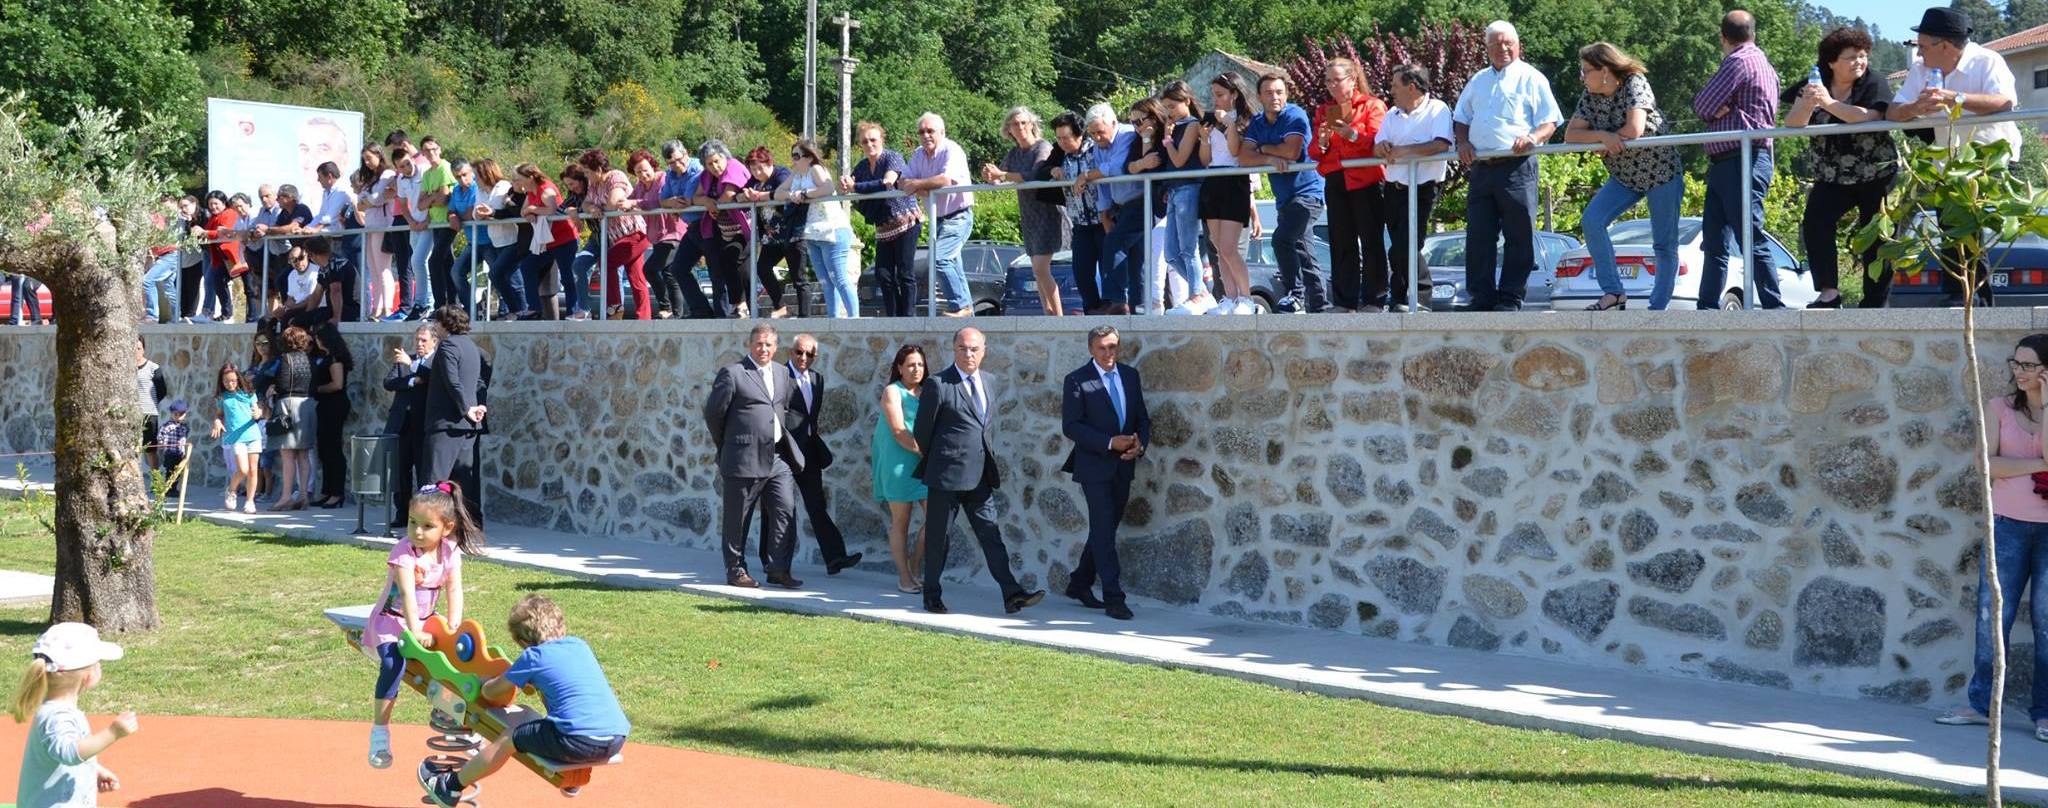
[(754, 261), (604, 281), (1154, 296), (1414, 243), (470, 298), (363, 276), (262, 306), (1749, 268), (931, 253)]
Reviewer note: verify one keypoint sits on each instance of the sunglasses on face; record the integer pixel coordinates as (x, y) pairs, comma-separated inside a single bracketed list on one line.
[(804, 353)]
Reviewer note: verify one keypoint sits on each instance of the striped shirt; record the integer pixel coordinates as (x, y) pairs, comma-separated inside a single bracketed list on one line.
[(1742, 95)]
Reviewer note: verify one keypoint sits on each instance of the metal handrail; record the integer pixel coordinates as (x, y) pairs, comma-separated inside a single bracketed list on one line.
[(1745, 137)]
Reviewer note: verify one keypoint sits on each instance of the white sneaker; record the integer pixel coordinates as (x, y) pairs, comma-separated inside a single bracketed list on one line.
[(1224, 306), (1244, 305), (231, 500), (380, 747), (1201, 305), (249, 507), (201, 319), (1181, 310)]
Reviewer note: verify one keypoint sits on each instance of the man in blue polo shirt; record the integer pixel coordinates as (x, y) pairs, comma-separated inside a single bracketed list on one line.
[(1280, 134)]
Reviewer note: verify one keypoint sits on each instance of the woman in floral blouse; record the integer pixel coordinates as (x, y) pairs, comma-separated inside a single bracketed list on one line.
[(1618, 106), (1849, 171)]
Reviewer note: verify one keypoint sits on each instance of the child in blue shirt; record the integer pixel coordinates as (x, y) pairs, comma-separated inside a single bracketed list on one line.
[(584, 723)]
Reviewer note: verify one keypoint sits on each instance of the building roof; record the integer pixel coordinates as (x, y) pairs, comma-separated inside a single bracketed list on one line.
[(2029, 39)]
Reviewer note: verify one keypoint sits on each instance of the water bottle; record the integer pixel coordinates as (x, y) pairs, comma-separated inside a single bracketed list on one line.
[(1934, 78), (1813, 75)]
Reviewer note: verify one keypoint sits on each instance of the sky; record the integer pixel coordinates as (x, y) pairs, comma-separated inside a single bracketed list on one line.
[(1894, 17)]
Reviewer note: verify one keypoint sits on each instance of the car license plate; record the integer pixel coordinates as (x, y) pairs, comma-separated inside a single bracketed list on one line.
[(1628, 271), (1443, 292), (2000, 280), (1030, 286)]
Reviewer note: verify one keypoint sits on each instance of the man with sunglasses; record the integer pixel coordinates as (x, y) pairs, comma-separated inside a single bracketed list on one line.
[(937, 163), (806, 401)]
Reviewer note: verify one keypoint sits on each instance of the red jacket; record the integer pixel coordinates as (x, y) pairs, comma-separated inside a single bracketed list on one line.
[(222, 225), (1367, 111)]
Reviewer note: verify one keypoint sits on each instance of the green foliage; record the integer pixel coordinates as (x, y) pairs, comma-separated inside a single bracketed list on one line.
[(82, 183), (122, 55), (1955, 204)]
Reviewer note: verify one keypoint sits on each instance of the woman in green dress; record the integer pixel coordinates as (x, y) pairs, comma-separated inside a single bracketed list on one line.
[(895, 453)]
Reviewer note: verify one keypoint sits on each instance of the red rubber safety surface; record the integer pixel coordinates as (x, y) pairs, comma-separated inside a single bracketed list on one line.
[(196, 762)]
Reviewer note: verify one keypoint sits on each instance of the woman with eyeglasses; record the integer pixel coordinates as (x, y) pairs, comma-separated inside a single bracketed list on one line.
[(2019, 537), (1041, 214), (826, 232), (781, 240), (894, 219)]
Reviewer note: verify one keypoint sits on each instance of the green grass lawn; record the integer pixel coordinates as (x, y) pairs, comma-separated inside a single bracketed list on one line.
[(243, 636)]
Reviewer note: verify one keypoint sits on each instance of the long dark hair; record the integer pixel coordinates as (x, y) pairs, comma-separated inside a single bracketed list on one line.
[(896, 365), (443, 500), (1177, 90), (1230, 80), (2038, 343), (330, 344), (220, 380)]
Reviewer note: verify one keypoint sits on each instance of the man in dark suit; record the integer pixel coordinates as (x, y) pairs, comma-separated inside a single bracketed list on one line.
[(806, 400), (955, 417), (407, 381), (454, 406), (1103, 411), (757, 458)]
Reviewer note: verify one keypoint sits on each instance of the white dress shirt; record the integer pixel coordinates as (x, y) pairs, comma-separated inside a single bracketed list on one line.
[(1980, 72), (1431, 120)]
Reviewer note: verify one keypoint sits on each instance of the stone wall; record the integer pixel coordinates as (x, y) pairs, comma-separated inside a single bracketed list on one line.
[(1779, 499)]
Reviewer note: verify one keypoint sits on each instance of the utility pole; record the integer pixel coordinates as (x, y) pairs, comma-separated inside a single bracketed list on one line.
[(811, 70), (846, 64)]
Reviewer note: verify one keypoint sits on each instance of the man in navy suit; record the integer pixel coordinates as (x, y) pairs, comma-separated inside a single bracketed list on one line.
[(1103, 411), (955, 427), (407, 381)]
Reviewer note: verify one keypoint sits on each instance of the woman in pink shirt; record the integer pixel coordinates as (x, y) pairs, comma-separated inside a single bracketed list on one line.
[(611, 191), (2019, 477)]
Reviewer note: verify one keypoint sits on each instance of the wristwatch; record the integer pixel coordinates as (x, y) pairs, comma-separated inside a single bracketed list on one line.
[(1961, 98)]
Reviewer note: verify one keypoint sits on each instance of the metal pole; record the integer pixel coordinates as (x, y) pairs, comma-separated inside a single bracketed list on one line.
[(1414, 256), (262, 305), (811, 70), (846, 64), (1748, 229), (931, 253), (470, 298), (1153, 294), (754, 261), (604, 280), (363, 276)]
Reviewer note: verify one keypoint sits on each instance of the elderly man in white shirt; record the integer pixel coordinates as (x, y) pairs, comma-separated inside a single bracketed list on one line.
[(1973, 77), (337, 206), (1417, 125), (1506, 107)]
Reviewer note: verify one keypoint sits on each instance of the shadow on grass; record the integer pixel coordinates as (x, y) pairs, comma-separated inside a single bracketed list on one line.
[(574, 585), (279, 540), (770, 743), (10, 627)]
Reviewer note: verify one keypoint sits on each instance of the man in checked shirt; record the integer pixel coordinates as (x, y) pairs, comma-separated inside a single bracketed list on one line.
[(1742, 95)]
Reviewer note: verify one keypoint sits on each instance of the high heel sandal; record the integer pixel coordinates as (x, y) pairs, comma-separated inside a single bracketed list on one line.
[(1620, 302)]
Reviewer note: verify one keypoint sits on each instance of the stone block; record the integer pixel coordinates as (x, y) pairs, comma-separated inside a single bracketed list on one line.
[(1838, 625), (1673, 571), (1414, 587), (1584, 609)]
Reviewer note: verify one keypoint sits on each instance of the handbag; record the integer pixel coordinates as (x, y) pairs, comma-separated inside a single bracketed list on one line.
[(281, 420)]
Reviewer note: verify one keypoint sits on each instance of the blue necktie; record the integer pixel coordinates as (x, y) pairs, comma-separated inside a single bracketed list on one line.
[(1116, 395), (980, 404)]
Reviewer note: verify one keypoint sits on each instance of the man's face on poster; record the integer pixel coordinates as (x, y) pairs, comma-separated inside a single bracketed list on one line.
[(321, 140)]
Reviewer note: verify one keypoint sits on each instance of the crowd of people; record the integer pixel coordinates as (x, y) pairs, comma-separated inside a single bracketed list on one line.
[(533, 235)]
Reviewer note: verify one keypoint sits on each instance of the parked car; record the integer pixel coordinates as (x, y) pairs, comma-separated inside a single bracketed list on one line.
[(43, 301), (1634, 257), (985, 262), (1264, 272), (1444, 254), (2019, 277)]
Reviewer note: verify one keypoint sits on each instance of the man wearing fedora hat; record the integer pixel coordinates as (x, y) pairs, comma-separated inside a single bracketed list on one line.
[(1973, 77)]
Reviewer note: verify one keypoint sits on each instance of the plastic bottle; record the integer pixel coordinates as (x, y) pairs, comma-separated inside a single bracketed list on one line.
[(1934, 78), (1813, 75)]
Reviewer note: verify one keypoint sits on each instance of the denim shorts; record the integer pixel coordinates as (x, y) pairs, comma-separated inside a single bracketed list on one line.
[(545, 738)]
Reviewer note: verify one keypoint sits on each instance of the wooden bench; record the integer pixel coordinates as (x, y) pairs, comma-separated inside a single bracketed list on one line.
[(489, 721)]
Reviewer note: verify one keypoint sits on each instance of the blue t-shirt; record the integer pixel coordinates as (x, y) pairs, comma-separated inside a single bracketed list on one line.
[(1291, 121), (577, 695), (238, 419)]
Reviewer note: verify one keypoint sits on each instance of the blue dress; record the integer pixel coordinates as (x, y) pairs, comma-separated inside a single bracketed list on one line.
[(892, 462)]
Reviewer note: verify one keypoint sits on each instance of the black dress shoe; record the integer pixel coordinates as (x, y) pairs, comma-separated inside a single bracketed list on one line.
[(846, 562), (1016, 603), (741, 579), (1118, 610), (1086, 597), (935, 606), (785, 580)]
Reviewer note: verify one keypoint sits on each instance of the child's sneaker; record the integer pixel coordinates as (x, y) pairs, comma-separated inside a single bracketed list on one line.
[(380, 747), (572, 791), (441, 787)]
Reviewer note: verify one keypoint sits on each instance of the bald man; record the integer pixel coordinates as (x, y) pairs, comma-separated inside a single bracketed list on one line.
[(955, 425)]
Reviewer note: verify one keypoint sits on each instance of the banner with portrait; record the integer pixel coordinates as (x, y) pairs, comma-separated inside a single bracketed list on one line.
[(250, 143)]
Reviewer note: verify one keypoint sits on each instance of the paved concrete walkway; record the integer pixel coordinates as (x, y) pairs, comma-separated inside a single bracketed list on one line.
[(1844, 735)]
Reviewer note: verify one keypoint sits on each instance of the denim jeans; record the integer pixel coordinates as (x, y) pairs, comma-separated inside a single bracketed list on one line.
[(840, 284), (161, 279), (945, 257), (2022, 549), (577, 285), (1184, 234), (535, 266), (1300, 278), (514, 280), (1123, 260), (418, 269), (1720, 228), (1608, 204), (218, 301), (450, 284), (25, 289)]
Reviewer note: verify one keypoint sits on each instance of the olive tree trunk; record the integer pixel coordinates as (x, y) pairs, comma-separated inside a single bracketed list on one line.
[(104, 519)]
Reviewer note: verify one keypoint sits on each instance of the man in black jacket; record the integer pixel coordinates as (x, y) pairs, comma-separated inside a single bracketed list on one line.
[(407, 381), (745, 415), (454, 406), (805, 402)]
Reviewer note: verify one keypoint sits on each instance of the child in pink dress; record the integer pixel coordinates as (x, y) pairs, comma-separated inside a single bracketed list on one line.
[(429, 561)]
